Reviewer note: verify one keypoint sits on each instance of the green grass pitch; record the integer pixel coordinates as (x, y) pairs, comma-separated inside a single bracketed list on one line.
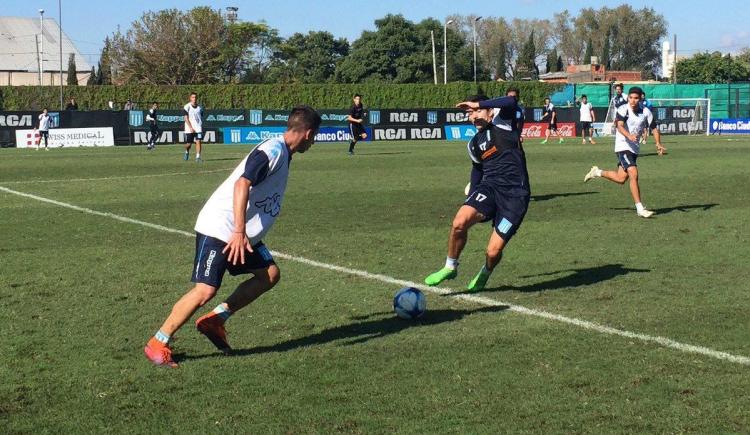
[(81, 293)]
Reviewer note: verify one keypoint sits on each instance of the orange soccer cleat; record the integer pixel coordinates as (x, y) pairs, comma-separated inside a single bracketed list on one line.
[(159, 353), (212, 326)]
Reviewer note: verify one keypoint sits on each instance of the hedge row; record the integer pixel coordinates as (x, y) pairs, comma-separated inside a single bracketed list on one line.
[(280, 96)]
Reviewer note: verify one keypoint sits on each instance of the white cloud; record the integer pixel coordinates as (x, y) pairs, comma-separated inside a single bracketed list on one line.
[(735, 40)]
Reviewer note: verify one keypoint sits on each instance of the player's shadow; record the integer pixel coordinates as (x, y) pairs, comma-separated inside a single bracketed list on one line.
[(549, 196), (682, 208), (573, 278), (365, 328)]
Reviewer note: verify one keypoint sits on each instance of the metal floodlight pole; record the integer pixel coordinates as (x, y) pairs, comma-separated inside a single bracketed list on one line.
[(445, 52), (59, 37), (474, 28), (41, 46), (434, 60)]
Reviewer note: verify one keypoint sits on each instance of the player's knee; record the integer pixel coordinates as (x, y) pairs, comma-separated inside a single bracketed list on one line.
[(205, 293), (272, 275), (460, 224)]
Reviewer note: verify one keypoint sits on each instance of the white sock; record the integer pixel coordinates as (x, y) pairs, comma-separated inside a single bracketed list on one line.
[(451, 263), (639, 207), (198, 155), (598, 172)]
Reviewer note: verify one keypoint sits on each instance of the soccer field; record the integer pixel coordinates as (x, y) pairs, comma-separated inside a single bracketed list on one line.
[(596, 321)]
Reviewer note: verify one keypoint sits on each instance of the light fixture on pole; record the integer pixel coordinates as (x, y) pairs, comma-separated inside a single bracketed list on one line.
[(474, 27), (445, 51), (41, 45)]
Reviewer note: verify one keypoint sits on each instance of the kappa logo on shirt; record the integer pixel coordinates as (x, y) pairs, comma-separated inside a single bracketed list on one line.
[(271, 205)]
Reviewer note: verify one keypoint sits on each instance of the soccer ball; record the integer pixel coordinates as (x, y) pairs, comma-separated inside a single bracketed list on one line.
[(409, 303)]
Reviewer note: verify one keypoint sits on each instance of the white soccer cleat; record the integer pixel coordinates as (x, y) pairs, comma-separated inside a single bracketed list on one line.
[(591, 174), (645, 213)]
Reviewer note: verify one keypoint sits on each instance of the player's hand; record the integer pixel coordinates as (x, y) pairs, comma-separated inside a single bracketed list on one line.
[(632, 138), (660, 149), (236, 247), (473, 105)]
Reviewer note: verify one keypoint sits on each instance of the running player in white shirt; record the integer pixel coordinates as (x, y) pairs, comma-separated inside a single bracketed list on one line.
[(229, 233), (193, 127), (632, 120), (587, 118)]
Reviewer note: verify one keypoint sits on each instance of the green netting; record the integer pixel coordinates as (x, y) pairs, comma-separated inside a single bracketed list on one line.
[(727, 100)]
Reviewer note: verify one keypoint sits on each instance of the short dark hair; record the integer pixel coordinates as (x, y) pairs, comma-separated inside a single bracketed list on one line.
[(635, 90), (546, 98), (303, 117), (193, 93), (584, 96), (357, 95), (619, 85), (513, 89), (476, 98)]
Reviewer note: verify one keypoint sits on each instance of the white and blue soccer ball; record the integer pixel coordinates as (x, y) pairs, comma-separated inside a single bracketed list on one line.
[(409, 303)]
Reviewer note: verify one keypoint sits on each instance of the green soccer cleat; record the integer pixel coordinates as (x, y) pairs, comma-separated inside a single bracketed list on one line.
[(477, 284), (440, 276)]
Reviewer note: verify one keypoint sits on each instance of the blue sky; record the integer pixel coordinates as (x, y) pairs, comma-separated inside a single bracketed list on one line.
[(700, 25)]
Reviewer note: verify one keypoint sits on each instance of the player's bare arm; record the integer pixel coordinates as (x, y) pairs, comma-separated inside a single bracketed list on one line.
[(238, 242), (621, 128)]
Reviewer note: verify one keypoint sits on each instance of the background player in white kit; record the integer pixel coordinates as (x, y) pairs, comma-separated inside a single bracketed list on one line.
[(44, 123), (229, 233), (587, 118), (632, 120), (193, 127)]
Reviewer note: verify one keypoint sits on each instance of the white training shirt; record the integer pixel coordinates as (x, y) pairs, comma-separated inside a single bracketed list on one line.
[(586, 112), (44, 122), (635, 124), (267, 168), (195, 115)]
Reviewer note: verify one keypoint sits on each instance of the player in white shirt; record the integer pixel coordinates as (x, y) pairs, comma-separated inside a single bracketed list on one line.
[(632, 120), (44, 123), (229, 233), (193, 127), (587, 118)]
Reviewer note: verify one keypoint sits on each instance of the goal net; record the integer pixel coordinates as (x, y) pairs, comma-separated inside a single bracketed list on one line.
[(672, 115)]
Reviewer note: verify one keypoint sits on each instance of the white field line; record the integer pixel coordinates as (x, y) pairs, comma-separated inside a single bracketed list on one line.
[(480, 300), (117, 177)]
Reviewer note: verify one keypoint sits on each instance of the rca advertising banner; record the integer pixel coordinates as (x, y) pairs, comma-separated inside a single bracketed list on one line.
[(68, 137), (406, 132), (140, 137)]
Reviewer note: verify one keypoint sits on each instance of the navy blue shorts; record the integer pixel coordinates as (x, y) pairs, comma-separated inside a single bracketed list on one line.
[(505, 211), (626, 159), (210, 263), (192, 137), (356, 130)]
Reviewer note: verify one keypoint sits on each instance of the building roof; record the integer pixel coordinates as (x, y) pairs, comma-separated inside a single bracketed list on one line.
[(18, 47)]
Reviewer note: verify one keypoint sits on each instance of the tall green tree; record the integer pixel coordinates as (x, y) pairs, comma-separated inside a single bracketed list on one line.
[(527, 67), (589, 52), (400, 51), (104, 73), (552, 61), (192, 47), (711, 68), (605, 60), (310, 58), (72, 73), (92, 77)]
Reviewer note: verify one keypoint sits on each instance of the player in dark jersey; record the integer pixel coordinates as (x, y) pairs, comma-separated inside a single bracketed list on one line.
[(499, 189), (153, 126), (550, 115), (520, 118), (356, 118)]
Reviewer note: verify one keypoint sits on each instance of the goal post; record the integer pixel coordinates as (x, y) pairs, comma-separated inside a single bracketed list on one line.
[(682, 115)]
